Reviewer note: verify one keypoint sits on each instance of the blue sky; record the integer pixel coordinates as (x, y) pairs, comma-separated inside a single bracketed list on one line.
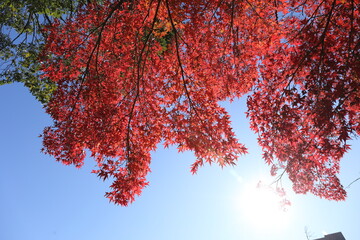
[(44, 200)]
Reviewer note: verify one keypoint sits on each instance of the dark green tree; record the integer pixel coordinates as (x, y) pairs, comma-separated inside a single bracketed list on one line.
[(22, 38)]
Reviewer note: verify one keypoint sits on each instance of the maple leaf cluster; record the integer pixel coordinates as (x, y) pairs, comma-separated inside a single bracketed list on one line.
[(131, 74)]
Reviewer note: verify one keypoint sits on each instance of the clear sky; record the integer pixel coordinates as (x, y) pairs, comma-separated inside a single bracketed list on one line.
[(43, 200)]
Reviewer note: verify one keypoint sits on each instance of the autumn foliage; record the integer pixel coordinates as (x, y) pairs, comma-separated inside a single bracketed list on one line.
[(132, 74)]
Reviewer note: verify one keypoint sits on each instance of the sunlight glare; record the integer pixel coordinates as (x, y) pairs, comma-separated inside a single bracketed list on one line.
[(262, 209)]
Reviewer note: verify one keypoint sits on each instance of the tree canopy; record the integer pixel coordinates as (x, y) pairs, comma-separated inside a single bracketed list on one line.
[(131, 74), (22, 39)]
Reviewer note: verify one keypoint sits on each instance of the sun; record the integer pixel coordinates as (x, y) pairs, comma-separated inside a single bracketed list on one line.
[(261, 207)]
